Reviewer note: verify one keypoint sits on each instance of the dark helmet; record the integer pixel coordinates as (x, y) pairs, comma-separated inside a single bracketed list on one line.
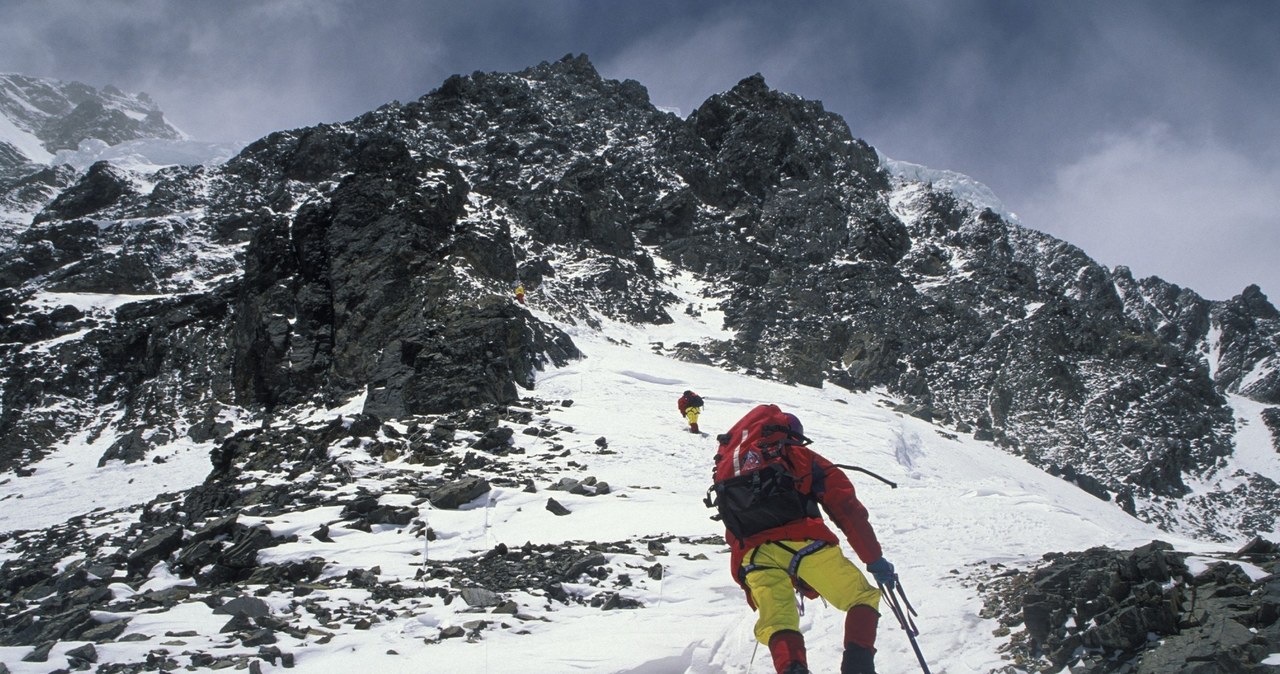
[(688, 393), (796, 427)]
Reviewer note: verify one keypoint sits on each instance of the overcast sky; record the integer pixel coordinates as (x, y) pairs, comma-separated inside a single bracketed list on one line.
[(1144, 132)]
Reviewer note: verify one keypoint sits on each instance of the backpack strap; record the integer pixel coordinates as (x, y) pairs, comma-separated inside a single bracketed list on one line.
[(750, 566)]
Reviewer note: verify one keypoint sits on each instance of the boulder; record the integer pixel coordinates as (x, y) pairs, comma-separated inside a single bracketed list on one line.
[(82, 655), (556, 508), (249, 607), (480, 597), (156, 547), (458, 493)]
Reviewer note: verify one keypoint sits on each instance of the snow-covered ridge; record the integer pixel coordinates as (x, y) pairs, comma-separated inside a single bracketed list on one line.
[(39, 117), (145, 155), (961, 186)]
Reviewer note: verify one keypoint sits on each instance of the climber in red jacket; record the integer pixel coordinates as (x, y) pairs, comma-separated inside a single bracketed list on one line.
[(768, 488)]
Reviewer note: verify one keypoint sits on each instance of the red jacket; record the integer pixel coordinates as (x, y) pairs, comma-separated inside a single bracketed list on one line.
[(683, 403), (834, 492)]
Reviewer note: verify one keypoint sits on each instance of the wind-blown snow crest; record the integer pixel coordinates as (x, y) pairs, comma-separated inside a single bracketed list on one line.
[(961, 186), (147, 155)]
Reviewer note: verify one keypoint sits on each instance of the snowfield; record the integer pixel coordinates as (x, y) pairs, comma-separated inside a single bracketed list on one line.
[(961, 506)]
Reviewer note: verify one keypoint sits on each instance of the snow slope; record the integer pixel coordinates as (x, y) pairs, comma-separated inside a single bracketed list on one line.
[(23, 141), (960, 506)]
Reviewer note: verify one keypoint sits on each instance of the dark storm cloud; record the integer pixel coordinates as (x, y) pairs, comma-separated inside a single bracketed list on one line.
[(1143, 131), (223, 70)]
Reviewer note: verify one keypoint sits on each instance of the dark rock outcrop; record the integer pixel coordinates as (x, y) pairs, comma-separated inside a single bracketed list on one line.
[(358, 291), (1271, 417), (101, 186), (458, 493), (1104, 611)]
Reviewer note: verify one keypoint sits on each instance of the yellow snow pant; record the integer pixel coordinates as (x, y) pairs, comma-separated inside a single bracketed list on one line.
[(826, 570), (691, 413)]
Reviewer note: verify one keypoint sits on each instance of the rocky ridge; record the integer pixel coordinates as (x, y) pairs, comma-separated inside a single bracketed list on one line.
[(314, 250)]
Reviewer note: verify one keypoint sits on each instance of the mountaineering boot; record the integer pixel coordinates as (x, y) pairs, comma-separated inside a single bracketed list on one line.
[(858, 660), (860, 640), (787, 649), (693, 428)]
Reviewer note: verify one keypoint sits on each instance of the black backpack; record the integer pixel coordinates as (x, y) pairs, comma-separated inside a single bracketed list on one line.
[(760, 500)]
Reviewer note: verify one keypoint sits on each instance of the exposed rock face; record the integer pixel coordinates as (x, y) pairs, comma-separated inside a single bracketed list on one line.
[(1242, 353), (160, 361), (1026, 339), (375, 258), (361, 289), (1098, 612), (101, 187), (1271, 417), (802, 224), (1248, 363)]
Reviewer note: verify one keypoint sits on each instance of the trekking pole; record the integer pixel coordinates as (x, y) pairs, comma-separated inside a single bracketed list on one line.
[(896, 603)]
